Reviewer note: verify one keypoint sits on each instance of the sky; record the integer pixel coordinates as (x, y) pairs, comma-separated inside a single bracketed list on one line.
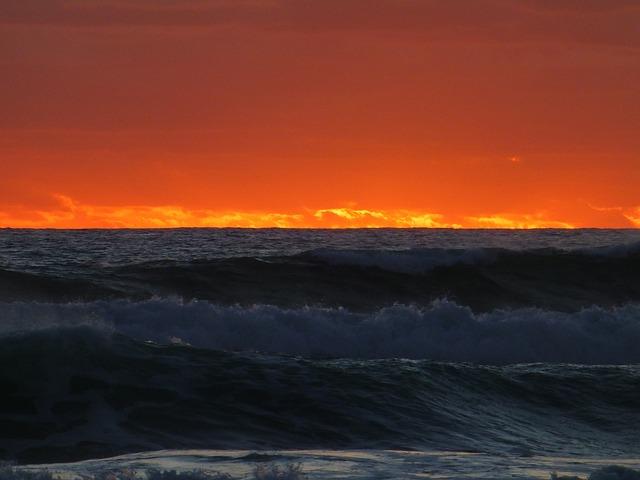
[(324, 113)]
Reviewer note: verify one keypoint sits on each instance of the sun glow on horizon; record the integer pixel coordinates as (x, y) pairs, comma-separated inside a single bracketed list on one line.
[(69, 213), (320, 114)]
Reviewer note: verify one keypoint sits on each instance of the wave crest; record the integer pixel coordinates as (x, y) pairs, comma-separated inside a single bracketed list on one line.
[(442, 331), (364, 280)]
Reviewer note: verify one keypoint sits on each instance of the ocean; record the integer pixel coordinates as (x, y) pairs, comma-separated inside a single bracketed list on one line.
[(319, 354)]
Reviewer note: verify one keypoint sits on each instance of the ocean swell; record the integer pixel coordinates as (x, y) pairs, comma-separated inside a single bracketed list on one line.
[(442, 331), (79, 392), (361, 280)]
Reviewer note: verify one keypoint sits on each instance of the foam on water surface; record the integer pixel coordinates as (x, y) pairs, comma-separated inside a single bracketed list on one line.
[(385, 353), (442, 331), (341, 464)]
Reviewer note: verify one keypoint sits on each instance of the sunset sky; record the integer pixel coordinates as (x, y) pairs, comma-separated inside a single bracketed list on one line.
[(325, 113)]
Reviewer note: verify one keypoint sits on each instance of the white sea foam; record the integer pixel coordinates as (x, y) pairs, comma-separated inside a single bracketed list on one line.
[(443, 331), (322, 464)]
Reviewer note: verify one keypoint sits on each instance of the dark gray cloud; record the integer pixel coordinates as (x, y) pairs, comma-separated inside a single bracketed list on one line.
[(582, 7), (129, 13), (613, 22)]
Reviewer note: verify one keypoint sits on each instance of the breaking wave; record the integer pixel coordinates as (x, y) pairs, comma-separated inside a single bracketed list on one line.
[(81, 392), (363, 280), (442, 331), (475, 349), (261, 472)]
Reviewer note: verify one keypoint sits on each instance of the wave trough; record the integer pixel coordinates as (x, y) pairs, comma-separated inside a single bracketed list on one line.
[(74, 393)]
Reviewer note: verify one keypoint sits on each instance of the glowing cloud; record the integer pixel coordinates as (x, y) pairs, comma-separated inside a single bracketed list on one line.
[(348, 213), (516, 221), (633, 216), (349, 217), (69, 213)]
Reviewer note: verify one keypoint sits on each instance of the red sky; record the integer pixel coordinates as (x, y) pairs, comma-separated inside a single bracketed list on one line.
[(473, 113)]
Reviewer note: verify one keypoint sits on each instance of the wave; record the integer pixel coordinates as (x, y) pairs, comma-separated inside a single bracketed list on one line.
[(273, 471), (261, 472), (415, 261), (364, 280), (442, 331), (81, 392)]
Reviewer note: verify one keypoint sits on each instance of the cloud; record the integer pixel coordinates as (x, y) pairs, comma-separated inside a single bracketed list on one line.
[(612, 22), (582, 7), (351, 217), (72, 214), (629, 214), (633, 215), (69, 213), (511, 221), (92, 13)]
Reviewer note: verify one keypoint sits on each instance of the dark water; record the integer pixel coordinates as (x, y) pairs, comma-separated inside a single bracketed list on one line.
[(362, 270), (495, 342), (76, 393)]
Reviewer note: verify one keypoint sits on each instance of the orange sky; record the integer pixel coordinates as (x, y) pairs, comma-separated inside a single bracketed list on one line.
[(337, 113)]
